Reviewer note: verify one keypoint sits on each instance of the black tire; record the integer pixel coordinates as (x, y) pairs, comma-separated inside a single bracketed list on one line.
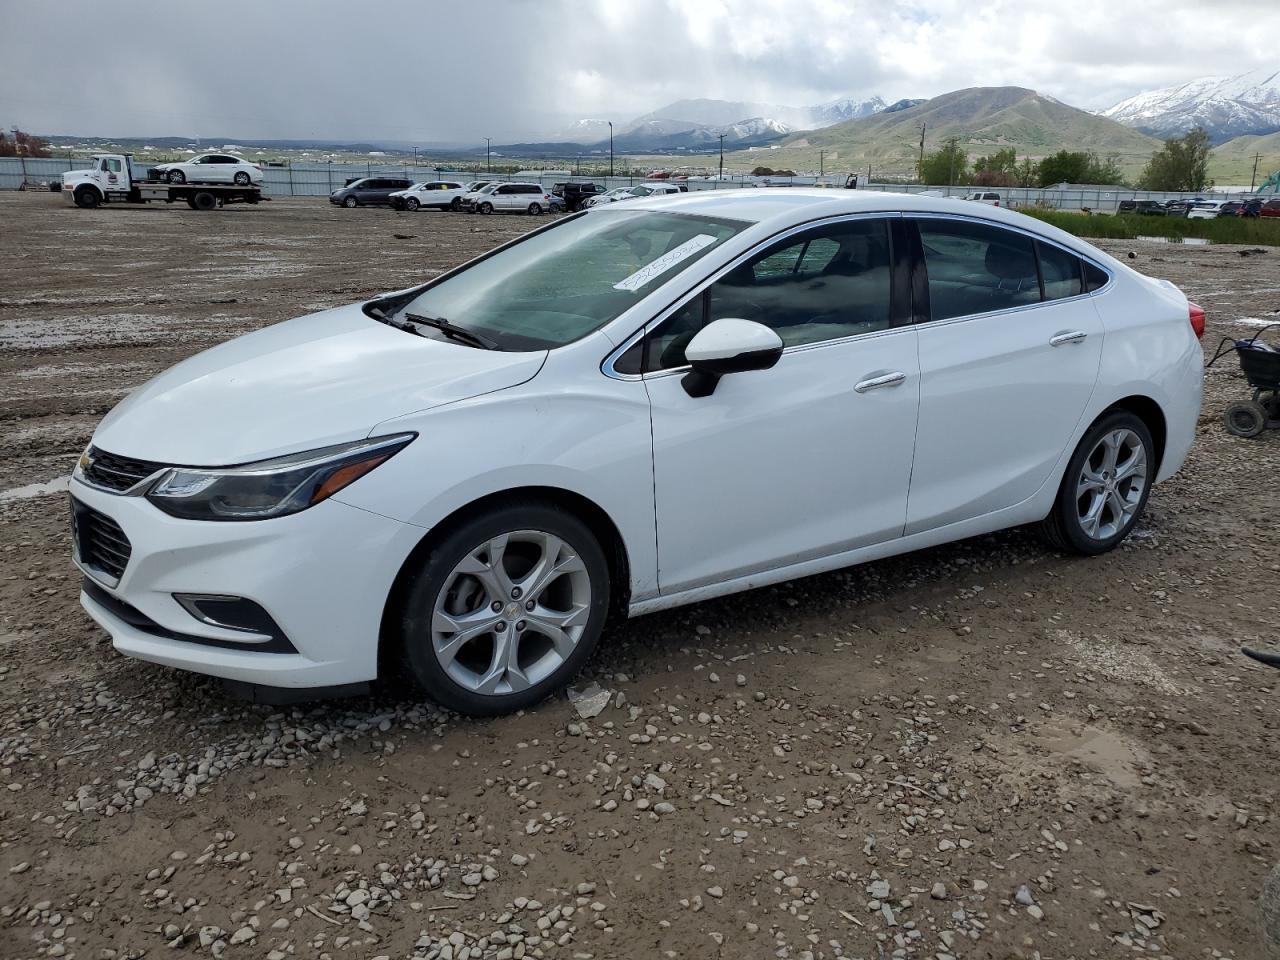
[(413, 620), (176, 176), (1245, 418), (87, 198), (241, 179), (351, 203), (455, 203), (1061, 528), (204, 201), (411, 203), (535, 209), (485, 207)]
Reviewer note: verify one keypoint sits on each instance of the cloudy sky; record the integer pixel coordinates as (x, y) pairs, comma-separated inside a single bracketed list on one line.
[(438, 72)]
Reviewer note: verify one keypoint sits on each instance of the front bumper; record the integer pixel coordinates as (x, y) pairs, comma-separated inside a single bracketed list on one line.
[(323, 575)]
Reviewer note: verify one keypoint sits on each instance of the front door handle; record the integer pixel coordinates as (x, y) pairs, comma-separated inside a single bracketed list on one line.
[(888, 380), (1074, 337)]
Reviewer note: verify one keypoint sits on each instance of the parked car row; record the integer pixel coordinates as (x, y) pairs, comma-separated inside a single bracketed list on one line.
[(639, 190), (478, 196), (1198, 208)]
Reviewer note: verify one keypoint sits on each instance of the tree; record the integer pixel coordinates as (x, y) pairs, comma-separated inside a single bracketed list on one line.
[(949, 165), (1181, 164), (999, 169), (1064, 167), (23, 145), (1028, 173), (1104, 171)]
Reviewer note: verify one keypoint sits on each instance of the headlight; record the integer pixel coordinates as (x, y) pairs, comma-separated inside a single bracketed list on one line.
[(271, 488)]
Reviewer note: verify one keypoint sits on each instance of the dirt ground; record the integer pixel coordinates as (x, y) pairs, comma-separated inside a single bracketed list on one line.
[(984, 750)]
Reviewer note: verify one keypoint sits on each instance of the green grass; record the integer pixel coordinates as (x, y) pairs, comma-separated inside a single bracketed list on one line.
[(1130, 226)]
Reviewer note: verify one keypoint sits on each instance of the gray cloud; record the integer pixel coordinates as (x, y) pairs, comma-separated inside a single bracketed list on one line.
[(433, 72)]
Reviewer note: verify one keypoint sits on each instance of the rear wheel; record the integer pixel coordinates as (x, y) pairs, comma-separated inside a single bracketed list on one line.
[(505, 609), (87, 198), (1105, 488), (411, 204), (535, 209), (350, 202), (455, 203), (177, 176), (204, 200), (1247, 418), (485, 207)]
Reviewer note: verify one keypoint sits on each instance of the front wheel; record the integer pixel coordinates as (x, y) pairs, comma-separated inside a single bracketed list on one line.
[(455, 203), (411, 204), (87, 198), (535, 209), (1105, 488), (505, 609), (241, 179), (177, 176), (350, 203), (485, 208)]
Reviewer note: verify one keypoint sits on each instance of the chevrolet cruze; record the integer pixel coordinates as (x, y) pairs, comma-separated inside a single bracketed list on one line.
[(640, 406)]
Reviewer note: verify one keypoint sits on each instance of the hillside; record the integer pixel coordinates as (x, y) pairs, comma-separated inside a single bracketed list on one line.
[(1232, 163), (985, 119)]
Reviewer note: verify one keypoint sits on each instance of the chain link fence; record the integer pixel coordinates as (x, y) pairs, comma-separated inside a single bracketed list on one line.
[(316, 179)]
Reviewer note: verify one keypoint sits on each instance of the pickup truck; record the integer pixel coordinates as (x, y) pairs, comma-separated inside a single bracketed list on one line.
[(111, 178)]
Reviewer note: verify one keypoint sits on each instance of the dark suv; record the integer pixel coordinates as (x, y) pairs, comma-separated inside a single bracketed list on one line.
[(369, 192), (575, 194)]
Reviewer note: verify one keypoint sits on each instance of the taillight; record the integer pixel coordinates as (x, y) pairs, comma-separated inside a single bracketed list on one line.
[(997, 203), (1196, 315)]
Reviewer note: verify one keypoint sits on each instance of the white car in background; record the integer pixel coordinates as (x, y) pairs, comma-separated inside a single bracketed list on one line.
[(210, 168), (648, 405), (640, 190), (504, 197), (1205, 209), (988, 197), (437, 194)]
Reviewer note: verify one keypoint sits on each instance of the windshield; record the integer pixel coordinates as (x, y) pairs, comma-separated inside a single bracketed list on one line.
[(565, 282)]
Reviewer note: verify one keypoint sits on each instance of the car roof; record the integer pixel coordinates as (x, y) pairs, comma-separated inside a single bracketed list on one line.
[(783, 208)]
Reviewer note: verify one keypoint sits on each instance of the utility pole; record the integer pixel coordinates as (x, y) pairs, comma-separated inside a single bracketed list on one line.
[(1254, 179), (821, 154), (487, 167), (722, 156), (610, 122), (920, 164)]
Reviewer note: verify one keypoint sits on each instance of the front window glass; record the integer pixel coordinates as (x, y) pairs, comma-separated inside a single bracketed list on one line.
[(827, 284), (974, 268), (561, 284)]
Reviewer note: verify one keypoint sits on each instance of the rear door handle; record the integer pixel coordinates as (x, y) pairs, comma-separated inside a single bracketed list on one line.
[(1074, 337), (888, 380)]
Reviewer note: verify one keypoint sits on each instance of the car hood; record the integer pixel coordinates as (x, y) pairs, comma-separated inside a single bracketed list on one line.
[(305, 383)]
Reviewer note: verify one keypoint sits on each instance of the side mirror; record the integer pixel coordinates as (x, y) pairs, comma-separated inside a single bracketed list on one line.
[(728, 345)]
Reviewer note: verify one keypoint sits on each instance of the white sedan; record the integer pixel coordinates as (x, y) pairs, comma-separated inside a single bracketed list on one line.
[(210, 168), (649, 405), (639, 191)]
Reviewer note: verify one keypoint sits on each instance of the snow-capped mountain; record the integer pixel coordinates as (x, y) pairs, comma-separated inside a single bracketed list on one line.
[(846, 108), (586, 130), (1225, 107)]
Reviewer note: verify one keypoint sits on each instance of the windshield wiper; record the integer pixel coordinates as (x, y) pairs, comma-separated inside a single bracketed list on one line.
[(454, 332)]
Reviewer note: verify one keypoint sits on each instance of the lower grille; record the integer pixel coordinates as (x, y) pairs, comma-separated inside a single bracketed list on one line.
[(113, 472), (100, 543)]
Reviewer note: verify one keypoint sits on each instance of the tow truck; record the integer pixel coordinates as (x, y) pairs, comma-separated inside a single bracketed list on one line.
[(112, 179)]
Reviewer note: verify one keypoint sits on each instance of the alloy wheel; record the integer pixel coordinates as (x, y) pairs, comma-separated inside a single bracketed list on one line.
[(1111, 484), (511, 612)]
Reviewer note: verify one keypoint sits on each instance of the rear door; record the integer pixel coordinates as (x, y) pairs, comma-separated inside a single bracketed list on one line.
[(1009, 356)]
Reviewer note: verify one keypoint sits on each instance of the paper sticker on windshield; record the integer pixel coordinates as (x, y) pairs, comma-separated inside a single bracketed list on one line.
[(665, 262)]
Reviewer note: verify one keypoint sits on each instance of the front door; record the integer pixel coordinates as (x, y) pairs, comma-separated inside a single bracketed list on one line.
[(1008, 361), (805, 460)]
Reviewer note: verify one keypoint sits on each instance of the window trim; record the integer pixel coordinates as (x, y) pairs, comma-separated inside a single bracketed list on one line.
[(918, 246), (901, 317)]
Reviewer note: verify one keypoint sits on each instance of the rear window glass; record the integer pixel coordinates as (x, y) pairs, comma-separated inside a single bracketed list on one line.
[(975, 268)]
